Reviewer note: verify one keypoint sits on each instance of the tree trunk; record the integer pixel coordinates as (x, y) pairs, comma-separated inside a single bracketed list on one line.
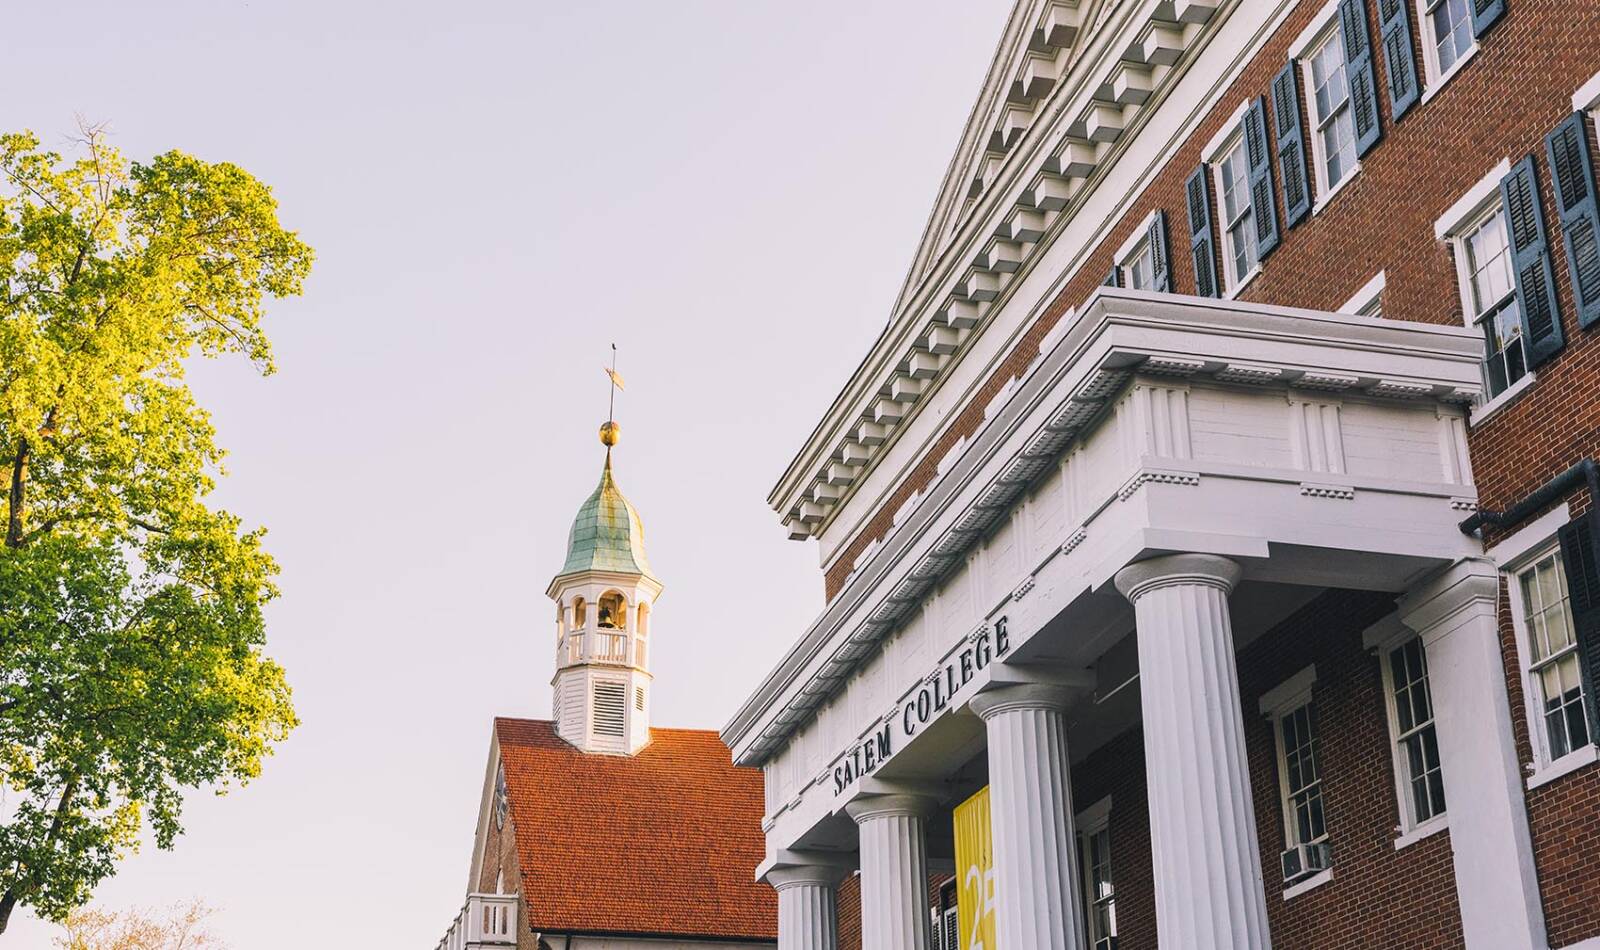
[(7, 904), (19, 471)]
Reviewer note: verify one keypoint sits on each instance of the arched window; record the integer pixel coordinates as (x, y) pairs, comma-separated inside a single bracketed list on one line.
[(561, 618), (613, 611), (644, 620), (580, 613)]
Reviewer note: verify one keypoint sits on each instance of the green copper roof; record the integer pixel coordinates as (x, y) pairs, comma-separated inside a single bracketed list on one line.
[(607, 535)]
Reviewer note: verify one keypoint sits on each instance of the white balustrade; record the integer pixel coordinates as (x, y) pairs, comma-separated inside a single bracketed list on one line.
[(611, 646), (486, 920)]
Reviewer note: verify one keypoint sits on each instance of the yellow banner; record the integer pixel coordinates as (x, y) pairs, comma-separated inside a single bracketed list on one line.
[(975, 873)]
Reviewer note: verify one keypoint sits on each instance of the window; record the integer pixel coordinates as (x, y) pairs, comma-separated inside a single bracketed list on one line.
[(1139, 268), (1368, 301), (1094, 861), (1240, 257), (1447, 39), (947, 923), (502, 798), (580, 613), (1553, 674), (1490, 299), (613, 611), (1333, 123), (1417, 771), (1307, 856)]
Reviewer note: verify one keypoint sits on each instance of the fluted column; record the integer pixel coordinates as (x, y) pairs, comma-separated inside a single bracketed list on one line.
[(1207, 860), (894, 871), (807, 908), (1037, 900)]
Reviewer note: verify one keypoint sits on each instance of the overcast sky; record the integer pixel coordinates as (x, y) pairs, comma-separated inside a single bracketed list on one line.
[(497, 191)]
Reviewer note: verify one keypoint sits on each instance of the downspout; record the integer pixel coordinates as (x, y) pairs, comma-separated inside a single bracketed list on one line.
[(1585, 471)]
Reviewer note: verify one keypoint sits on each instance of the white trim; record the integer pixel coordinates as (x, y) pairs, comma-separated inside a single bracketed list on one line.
[(1370, 291), (1094, 817), (1571, 762), (1135, 239), (1433, 79), (1481, 414), (1320, 21), (1513, 553), (1232, 283), (1325, 196), (1319, 157), (1314, 881), (1238, 288), (1289, 694), (1588, 95), (1409, 828), (1427, 829), (1235, 123), (1473, 203)]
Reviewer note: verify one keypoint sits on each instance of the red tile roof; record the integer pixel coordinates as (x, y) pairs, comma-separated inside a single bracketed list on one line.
[(664, 842)]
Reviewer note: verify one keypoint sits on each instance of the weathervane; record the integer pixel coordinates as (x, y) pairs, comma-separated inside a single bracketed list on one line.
[(610, 431)]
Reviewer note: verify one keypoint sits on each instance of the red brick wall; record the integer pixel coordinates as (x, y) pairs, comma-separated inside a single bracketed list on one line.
[(1501, 104)]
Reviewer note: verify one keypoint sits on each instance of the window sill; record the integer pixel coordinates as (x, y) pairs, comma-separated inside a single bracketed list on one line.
[(1427, 829), (1482, 414), (1311, 883), (1327, 196), (1567, 764), (1238, 288), (1447, 75)]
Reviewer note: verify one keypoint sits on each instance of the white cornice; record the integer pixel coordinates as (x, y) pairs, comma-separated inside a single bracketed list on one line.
[(1056, 400)]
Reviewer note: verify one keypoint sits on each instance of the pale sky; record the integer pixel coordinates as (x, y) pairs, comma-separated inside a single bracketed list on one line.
[(497, 191)]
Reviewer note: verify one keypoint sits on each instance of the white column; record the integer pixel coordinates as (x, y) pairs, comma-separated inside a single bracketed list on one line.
[(894, 871), (1037, 901), (807, 908), (1457, 615), (1209, 893)]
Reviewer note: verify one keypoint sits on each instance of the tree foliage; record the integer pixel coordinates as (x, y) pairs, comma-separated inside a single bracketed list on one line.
[(131, 611), (178, 928)]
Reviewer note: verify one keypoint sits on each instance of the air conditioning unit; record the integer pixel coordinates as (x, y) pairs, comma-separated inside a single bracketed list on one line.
[(1304, 860)]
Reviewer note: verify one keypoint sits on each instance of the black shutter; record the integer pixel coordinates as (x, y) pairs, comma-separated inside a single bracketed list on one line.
[(1573, 174), (1536, 285), (1201, 244), (1583, 588), (1360, 74), (1259, 156), (1160, 255), (1486, 13), (1291, 143), (1398, 59), (1113, 279)]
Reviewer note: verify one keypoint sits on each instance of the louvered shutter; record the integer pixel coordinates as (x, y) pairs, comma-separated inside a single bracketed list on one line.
[(1536, 286), (1486, 13), (1573, 174), (1259, 155), (1114, 278), (1291, 143), (1583, 588), (1160, 255), (1202, 249), (1399, 61), (1360, 74)]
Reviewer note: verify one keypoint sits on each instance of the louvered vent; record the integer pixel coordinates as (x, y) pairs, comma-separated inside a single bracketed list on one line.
[(609, 703), (638, 698)]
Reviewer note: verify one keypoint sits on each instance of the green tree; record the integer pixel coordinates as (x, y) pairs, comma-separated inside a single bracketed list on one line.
[(131, 631)]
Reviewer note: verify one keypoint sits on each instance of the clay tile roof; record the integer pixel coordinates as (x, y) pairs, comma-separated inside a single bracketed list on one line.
[(665, 842)]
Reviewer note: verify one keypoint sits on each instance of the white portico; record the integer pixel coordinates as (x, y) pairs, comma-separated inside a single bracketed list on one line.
[(1168, 479)]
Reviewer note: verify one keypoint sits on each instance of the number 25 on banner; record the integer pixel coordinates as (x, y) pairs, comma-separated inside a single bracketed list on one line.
[(975, 862)]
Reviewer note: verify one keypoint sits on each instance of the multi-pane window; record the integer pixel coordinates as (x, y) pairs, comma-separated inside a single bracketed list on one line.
[(1331, 113), (1491, 299), (1449, 32), (946, 922), (1304, 822), (1139, 268), (1101, 902), (1238, 223), (1553, 665), (1416, 742)]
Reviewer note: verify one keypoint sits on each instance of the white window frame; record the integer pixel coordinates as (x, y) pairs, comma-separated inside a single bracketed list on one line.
[(1092, 821), (1368, 301), (1136, 246), (1275, 704), (1514, 555), (1453, 227), (1228, 137), (1383, 638), (1322, 26), (1587, 98), (1433, 79)]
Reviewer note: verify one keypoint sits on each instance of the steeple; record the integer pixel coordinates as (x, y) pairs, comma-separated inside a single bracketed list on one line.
[(604, 596)]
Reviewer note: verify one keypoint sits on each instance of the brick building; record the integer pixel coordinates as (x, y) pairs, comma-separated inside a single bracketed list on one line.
[(595, 831), (1215, 510)]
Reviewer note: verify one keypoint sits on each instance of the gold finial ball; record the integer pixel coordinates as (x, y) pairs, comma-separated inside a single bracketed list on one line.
[(609, 433)]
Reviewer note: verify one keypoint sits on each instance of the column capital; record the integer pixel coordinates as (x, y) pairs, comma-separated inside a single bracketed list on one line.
[(1466, 590), (801, 875), (868, 807), (1204, 569), (1003, 699)]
